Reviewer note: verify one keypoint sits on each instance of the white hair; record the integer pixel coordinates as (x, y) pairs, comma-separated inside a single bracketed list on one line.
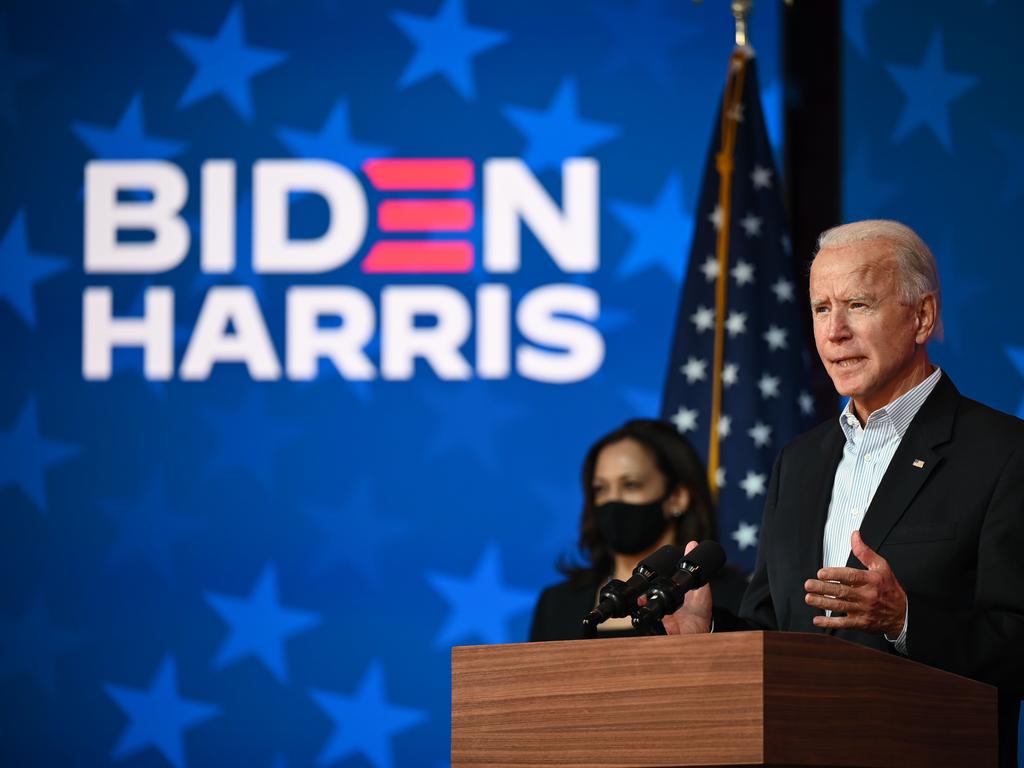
[(917, 275)]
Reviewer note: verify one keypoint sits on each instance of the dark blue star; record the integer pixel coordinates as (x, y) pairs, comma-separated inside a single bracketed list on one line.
[(558, 133), (562, 503), (260, 625), (445, 45), (481, 605), (158, 715), (469, 418), (334, 140), (364, 722), (16, 69), (930, 89), (21, 268), (25, 456), (867, 194), (31, 644), (355, 533), (644, 35), (127, 140), (661, 232), (147, 530), (1016, 355), (250, 438), (225, 64)]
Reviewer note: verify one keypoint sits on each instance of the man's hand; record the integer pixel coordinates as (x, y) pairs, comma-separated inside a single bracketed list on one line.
[(872, 600), (694, 615)]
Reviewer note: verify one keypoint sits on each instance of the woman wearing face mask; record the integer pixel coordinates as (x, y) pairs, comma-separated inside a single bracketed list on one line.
[(643, 487)]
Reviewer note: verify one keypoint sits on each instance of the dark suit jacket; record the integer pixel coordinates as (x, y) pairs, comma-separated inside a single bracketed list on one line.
[(952, 530)]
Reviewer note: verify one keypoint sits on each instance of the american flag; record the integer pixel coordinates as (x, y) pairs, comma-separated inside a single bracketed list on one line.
[(740, 287)]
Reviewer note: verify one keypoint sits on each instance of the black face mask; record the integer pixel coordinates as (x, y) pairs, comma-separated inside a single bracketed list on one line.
[(631, 528)]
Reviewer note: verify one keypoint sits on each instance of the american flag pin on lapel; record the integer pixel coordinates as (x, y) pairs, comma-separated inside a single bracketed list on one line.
[(919, 463)]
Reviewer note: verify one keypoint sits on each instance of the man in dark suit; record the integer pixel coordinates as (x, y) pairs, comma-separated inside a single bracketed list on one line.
[(899, 525)]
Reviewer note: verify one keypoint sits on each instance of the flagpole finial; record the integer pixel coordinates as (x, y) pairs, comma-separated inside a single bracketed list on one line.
[(741, 9)]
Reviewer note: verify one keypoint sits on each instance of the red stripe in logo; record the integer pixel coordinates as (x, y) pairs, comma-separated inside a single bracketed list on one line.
[(425, 215), (420, 174), (429, 256)]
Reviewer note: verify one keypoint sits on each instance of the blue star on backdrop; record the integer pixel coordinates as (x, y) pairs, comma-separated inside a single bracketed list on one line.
[(249, 438), (31, 645), (334, 140), (128, 139), (260, 625), (644, 35), (25, 455), (225, 64), (661, 232), (480, 606), (21, 268), (158, 715), (930, 90), (446, 45), (365, 722), (559, 132), (147, 530)]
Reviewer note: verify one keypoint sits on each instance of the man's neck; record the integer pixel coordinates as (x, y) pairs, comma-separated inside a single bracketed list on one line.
[(918, 373)]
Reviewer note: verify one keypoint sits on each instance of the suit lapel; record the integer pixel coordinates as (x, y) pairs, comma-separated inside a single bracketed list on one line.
[(819, 496), (911, 465)]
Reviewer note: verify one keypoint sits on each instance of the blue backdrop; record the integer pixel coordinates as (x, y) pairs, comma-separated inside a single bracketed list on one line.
[(251, 565)]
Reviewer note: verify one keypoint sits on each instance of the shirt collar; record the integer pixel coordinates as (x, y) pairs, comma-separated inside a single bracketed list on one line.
[(900, 412)]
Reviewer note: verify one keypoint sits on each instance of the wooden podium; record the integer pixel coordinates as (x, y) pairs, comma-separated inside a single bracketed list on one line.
[(735, 699)]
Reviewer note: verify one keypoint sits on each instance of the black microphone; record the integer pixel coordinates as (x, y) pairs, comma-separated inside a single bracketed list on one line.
[(618, 598), (665, 595)]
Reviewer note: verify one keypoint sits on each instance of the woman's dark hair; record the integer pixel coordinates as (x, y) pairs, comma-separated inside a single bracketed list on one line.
[(677, 461)]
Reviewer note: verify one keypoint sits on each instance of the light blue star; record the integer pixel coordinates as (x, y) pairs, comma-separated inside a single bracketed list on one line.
[(25, 456), (558, 133), (127, 140), (445, 44), (249, 438), (147, 530), (21, 268), (225, 64), (481, 605), (469, 418), (158, 715), (260, 625), (334, 140), (929, 89), (355, 533), (661, 232), (644, 35), (16, 69), (365, 722), (32, 644), (1016, 355)]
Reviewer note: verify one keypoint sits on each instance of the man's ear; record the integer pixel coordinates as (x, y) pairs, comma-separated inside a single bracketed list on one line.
[(927, 316)]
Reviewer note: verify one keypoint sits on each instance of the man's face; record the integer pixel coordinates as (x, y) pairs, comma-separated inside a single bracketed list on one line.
[(867, 340)]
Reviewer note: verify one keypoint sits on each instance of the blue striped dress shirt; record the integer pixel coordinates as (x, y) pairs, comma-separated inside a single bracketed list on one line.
[(866, 456)]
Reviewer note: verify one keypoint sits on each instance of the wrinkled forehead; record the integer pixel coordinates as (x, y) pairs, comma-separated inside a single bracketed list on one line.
[(864, 265)]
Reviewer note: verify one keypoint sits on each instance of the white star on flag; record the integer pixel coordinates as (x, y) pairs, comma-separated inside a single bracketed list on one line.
[(743, 272), (730, 374), (762, 177), (776, 337), (787, 246), (720, 477), (761, 433), (724, 425), (783, 290), (704, 319), (751, 225), (736, 113), (685, 420), (736, 323), (715, 217), (753, 484), (710, 268), (769, 385), (745, 535), (695, 370), (806, 402)]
